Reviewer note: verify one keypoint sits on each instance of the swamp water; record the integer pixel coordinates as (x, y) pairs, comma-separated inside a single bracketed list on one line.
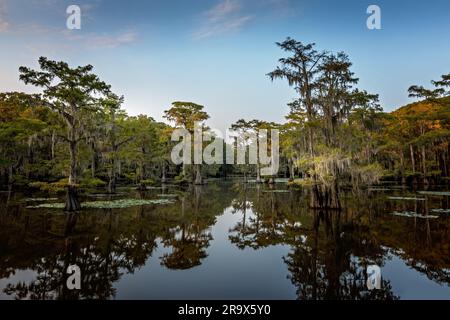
[(226, 240)]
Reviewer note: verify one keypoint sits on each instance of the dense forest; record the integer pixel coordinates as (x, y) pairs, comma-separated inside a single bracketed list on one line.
[(75, 136)]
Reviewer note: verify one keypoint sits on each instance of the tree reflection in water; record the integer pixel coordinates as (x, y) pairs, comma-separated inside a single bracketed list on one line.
[(104, 243), (190, 239), (327, 251), (330, 250)]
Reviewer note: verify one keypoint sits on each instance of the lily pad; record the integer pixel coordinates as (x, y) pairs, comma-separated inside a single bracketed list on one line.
[(281, 180), (407, 198), (40, 199), (440, 210), (435, 193), (115, 204), (106, 195), (123, 203), (55, 205), (410, 214)]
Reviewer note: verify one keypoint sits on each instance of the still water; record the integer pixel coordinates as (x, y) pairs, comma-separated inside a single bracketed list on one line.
[(227, 240)]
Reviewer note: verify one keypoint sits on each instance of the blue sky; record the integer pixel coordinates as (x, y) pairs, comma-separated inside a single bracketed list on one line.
[(217, 53)]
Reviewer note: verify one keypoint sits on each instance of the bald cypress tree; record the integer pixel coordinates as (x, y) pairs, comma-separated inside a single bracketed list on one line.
[(185, 115), (73, 93)]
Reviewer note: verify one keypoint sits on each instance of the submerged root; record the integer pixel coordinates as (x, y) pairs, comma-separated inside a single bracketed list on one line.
[(325, 197), (72, 202)]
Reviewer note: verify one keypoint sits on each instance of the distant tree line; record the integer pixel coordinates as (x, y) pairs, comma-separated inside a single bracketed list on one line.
[(75, 135)]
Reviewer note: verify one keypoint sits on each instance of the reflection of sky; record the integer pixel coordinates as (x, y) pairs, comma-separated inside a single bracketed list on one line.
[(410, 284), (26, 276), (217, 52), (227, 272), (230, 273)]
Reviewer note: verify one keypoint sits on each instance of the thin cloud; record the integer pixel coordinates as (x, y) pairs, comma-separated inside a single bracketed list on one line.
[(60, 37), (100, 41), (225, 17), (4, 24), (222, 10)]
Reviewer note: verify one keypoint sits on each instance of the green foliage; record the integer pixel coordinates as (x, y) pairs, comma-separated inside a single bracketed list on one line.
[(185, 114), (51, 187), (147, 182), (92, 183)]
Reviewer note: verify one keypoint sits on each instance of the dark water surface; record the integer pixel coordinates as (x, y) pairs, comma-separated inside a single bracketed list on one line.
[(230, 241)]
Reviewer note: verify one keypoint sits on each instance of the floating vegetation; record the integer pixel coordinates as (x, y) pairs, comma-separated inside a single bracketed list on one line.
[(123, 203), (380, 189), (435, 193), (407, 198), (40, 199), (115, 204), (410, 214), (106, 195), (276, 191), (48, 206), (440, 210), (281, 180)]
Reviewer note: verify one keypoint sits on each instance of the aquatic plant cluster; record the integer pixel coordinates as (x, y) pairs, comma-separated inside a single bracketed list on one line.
[(113, 204)]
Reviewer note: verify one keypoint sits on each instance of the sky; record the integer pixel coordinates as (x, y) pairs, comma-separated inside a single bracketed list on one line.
[(217, 52)]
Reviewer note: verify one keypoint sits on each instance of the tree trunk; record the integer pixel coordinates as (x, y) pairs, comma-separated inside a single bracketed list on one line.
[(112, 176), (93, 160), (73, 162), (258, 165), (311, 138), (183, 169), (142, 186), (413, 161), (10, 177), (53, 144), (325, 197), (402, 167), (198, 176), (112, 185), (163, 168), (292, 172), (258, 173), (72, 202), (424, 165), (444, 163)]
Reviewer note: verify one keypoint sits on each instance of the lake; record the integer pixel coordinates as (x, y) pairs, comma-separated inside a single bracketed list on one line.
[(228, 240)]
